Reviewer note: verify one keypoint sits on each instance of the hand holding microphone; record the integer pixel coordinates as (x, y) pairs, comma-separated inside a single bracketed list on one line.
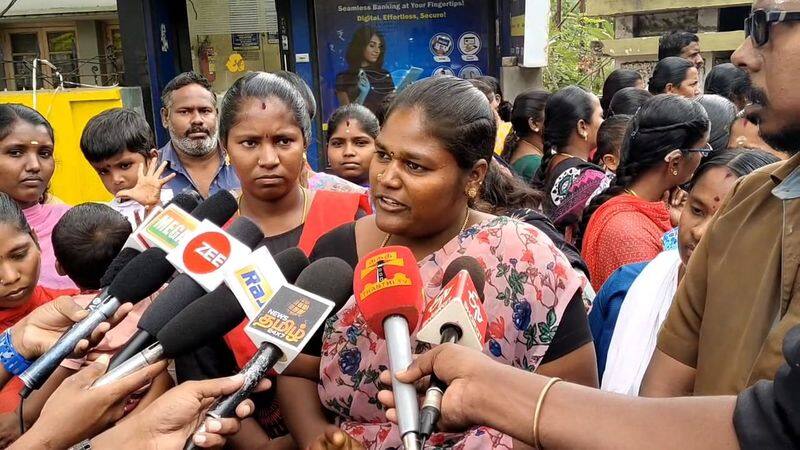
[(468, 374), (456, 315), (209, 317), (286, 323), (388, 290), (98, 408), (138, 279)]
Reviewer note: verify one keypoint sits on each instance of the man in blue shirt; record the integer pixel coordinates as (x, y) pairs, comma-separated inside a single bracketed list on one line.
[(189, 112)]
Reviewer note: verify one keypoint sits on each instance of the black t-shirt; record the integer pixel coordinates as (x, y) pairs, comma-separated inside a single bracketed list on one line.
[(573, 330), (767, 414)]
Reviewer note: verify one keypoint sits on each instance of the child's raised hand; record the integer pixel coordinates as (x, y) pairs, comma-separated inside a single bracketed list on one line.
[(147, 191)]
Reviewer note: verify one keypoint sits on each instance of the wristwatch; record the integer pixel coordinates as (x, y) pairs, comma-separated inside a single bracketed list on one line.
[(9, 357)]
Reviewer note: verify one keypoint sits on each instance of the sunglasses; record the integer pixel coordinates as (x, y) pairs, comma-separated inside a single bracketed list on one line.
[(705, 151), (757, 25)]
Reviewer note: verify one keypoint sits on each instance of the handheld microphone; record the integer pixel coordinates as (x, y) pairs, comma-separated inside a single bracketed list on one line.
[(143, 276), (456, 315), (184, 201), (207, 318), (182, 291), (388, 290), (166, 228), (286, 323)]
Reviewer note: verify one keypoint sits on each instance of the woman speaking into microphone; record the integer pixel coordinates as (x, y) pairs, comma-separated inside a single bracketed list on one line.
[(265, 129), (431, 159)]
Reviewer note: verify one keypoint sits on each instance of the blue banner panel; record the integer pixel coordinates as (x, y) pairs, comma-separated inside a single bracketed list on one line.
[(368, 50)]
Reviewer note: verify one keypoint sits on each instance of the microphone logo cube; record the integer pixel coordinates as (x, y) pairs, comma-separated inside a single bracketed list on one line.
[(378, 266), (204, 255), (255, 280), (169, 227), (288, 320), (459, 304), (206, 252)]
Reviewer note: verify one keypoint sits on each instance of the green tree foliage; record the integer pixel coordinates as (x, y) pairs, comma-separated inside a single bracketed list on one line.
[(574, 54)]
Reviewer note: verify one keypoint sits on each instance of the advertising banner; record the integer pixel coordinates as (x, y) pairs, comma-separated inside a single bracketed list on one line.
[(369, 50)]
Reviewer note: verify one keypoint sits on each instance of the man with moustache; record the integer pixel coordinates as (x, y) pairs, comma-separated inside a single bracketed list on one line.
[(741, 292), (193, 154)]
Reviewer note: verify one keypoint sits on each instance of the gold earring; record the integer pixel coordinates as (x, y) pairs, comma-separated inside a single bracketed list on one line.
[(472, 193), (585, 136), (675, 172)]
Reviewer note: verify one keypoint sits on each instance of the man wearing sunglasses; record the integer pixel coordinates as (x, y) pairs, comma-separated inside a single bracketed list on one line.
[(741, 291)]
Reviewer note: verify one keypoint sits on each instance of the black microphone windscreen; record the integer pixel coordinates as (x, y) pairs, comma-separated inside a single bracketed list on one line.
[(246, 232), (330, 278), (117, 264), (143, 276), (291, 261), (187, 200), (209, 317), (218, 208), (218, 312), (181, 292), (472, 266)]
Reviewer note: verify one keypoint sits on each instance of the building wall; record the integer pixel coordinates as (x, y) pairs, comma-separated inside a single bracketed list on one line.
[(638, 23), (91, 39)]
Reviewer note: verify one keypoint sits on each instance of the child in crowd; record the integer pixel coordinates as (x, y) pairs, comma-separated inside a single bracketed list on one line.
[(118, 144), (27, 164), (86, 240)]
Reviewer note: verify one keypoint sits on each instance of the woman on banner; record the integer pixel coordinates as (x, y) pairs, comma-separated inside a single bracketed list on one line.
[(431, 159), (365, 81)]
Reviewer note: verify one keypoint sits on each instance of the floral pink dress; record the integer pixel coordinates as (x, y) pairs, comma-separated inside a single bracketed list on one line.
[(528, 285)]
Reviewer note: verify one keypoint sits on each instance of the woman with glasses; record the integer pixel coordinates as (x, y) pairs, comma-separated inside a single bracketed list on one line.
[(661, 150), (634, 330)]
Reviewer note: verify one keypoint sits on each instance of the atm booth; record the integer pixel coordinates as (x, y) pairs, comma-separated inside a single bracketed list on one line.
[(347, 51)]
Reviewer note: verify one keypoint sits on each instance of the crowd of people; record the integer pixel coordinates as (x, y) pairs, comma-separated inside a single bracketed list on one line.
[(635, 244)]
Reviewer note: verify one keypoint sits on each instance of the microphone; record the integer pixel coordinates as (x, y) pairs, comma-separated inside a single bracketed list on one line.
[(217, 313), (143, 276), (168, 227), (184, 201), (286, 323), (388, 290), (456, 315), (182, 291), (172, 226)]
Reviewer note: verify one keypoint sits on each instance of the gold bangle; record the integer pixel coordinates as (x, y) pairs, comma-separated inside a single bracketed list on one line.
[(537, 412)]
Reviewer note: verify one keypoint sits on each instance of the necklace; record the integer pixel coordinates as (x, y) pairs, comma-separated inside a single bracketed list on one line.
[(631, 192), (463, 227), (536, 149), (303, 213)]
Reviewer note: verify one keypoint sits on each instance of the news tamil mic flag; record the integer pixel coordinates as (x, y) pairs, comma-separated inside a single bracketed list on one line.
[(288, 320)]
